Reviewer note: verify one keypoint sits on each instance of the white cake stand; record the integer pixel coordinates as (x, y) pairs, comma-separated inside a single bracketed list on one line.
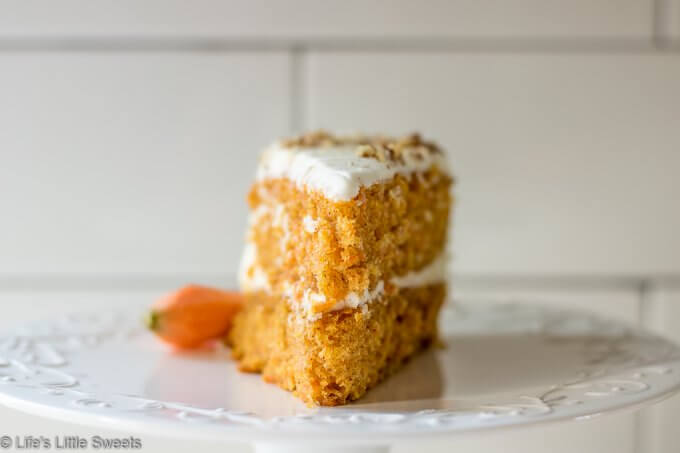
[(508, 365)]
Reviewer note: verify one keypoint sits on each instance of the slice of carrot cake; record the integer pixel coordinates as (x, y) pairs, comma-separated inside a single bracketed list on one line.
[(344, 265)]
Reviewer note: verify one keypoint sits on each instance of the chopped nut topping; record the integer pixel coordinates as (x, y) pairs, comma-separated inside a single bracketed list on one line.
[(366, 151), (381, 148)]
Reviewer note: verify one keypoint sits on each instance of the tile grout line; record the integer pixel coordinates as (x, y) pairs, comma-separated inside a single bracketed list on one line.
[(621, 44), (297, 90), (644, 289), (661, 33)]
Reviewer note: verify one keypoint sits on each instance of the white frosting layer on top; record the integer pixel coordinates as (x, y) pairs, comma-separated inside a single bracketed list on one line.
[(338, 172)]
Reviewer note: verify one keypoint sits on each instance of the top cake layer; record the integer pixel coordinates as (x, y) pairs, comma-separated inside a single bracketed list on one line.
[(338, 166), (337, 222)]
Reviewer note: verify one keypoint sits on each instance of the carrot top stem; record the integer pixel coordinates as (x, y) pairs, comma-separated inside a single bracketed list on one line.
[(151, 320)]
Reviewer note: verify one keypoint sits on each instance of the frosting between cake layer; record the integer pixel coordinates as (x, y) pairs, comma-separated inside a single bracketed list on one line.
[(252, 279), (339, 171), (435, 272)]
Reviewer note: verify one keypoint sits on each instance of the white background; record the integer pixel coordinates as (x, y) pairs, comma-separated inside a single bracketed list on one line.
[(129, 132)]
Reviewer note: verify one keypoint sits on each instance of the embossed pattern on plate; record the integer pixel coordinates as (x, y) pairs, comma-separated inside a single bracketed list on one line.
[(502, 365)]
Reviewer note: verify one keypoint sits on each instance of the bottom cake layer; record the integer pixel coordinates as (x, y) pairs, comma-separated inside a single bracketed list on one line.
[(338, 357)]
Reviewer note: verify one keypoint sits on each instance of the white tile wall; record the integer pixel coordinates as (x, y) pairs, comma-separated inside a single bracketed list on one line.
[(566, 162), (329, 19), (133, 163), (124, 162), (31, 305), (659, 432), (673, 20)]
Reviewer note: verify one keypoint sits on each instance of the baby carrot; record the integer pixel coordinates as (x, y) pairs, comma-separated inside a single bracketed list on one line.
[(193, 315)]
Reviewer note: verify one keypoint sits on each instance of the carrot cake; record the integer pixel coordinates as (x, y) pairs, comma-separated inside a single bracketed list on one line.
[(344, 265)]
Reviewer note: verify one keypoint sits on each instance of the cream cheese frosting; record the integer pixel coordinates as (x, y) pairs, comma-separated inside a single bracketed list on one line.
[(252, 278), (339, 171), (434, 272)]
